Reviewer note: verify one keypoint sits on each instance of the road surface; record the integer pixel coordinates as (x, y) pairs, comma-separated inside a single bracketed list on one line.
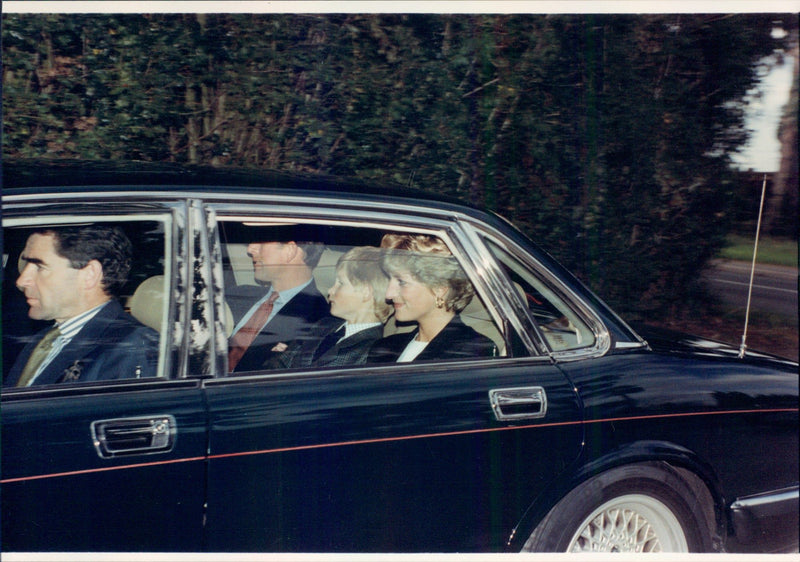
[(774, 287)]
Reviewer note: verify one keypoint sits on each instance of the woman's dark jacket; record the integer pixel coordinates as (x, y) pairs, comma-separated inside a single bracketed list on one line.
[(455, 341)]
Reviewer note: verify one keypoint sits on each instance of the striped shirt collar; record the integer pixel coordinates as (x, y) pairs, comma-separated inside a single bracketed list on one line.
[(69, 328)]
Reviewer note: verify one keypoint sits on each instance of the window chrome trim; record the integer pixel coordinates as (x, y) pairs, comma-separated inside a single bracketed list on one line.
[(169, 213), (602, 344), (491, 284), (485, 264), (631, 344)]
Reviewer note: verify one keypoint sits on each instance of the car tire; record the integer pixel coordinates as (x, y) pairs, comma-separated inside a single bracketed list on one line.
[(635, 508)]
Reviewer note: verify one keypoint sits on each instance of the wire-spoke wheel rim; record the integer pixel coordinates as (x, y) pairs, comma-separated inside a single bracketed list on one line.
[(631, 523)]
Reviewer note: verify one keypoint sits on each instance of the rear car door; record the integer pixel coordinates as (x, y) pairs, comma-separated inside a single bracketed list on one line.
[(113, 465), (428, 456)]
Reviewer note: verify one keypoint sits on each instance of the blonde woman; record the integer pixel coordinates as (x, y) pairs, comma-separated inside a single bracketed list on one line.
[(428, 287)]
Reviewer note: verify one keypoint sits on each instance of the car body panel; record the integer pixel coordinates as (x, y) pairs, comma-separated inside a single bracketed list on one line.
[(703, 407), (701, 413), (332, 462), (58, 493)]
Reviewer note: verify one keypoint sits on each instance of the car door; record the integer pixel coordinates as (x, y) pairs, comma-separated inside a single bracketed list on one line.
[(112, 465), (429, 456)]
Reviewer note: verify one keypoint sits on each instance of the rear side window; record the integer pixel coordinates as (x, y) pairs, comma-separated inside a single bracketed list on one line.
[(561, 326), (338, 284), (125, 335)]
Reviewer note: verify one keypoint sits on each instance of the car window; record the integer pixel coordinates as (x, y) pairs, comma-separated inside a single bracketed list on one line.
[(347, 263), (127, 339), (561, 326)]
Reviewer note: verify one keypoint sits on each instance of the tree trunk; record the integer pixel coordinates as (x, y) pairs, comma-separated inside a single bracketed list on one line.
[(780, 213)]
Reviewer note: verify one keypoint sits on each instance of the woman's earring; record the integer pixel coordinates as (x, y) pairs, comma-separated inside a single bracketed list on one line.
[(439, 302)]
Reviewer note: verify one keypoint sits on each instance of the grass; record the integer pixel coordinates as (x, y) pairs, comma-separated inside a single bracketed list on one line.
[(774, 251)]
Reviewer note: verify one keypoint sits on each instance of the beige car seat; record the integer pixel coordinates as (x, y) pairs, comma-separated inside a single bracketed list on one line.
[(147, 304)]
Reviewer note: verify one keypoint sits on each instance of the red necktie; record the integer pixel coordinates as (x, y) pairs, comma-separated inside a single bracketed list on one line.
[(242, 339)]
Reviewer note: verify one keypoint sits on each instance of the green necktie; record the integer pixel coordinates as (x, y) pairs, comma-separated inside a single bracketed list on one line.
[(40, 353)]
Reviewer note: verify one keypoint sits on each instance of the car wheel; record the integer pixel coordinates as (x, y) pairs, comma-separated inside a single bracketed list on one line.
[(637, 508)]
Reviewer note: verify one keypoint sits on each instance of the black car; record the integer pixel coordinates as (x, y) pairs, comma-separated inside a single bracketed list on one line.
[(574, 434)]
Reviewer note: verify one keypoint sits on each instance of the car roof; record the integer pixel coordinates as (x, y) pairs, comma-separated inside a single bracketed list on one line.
[(44, 175)]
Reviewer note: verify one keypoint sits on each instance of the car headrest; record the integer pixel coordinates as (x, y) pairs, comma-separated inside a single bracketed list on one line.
[(147, 302)]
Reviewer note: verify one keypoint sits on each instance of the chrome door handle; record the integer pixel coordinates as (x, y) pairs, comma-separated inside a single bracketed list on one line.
[(134, 436), (529, 402)]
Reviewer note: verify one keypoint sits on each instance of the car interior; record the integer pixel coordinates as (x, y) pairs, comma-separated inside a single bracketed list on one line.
[(142, 296), (145, 293), (238, 267)]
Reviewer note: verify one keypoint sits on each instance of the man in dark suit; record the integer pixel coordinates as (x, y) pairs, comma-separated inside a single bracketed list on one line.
[(71, 275), (290, 309)]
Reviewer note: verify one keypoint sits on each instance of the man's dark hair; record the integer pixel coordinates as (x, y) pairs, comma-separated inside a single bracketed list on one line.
[(308, 238), (106, 244), (312, 252)]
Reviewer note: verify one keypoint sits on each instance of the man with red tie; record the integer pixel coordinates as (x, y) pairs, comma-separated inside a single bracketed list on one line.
[(289, 309)]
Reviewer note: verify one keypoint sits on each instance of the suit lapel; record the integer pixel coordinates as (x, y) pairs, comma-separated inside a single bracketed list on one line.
[(343, 352), (440, 345), (359, 337), (71, 362)]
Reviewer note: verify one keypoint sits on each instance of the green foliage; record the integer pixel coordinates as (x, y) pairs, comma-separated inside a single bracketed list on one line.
[(604, 137), (771, 250)]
